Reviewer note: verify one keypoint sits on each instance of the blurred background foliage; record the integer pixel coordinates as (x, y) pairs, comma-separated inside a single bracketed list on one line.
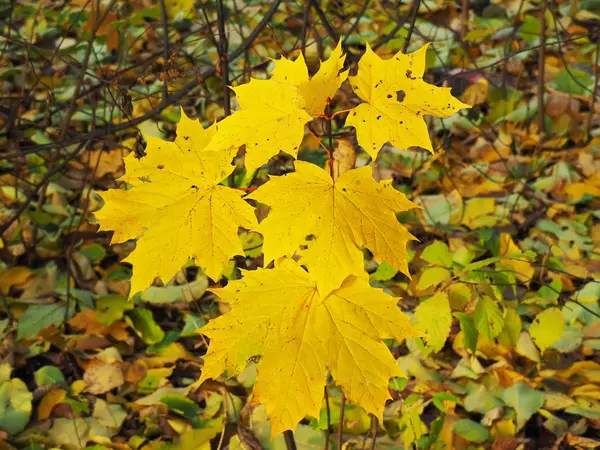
[(505, 275)]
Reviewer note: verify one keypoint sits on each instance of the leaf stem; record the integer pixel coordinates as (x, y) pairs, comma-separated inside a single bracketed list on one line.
[(328, 418), (290, 442), (330, 138), (248, 189), (320, 141), (341, 422)]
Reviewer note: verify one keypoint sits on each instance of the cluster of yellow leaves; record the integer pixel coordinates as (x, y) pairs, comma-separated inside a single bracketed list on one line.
[(300, 323)]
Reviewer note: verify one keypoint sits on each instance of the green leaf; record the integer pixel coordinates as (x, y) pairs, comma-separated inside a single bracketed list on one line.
[(176, 293), (481, 264), (111, 308), (15, 406), (384, 272), (38, 317), (444, 397), (142, 321), (437, 253), (410, 423), (470, 333), (5, 371), (573, 81), (181, 405), (199, 438), (94, 253), (531, 28), (524, 400), (49, 375), (512, 328), (192, 324), (547, 328), (432, 276), (488, 317), (433, 318), (470, 430)]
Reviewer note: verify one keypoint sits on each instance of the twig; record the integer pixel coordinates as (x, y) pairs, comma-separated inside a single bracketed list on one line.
[(305, 22), (330, 139), (328, 419), (165, 24), (223, 64), (330, 30), (341, 422), (222, 50), (593, 102), (101, 132), (225, 414), (290, 442), (358, 17), (464, 17), (411, 28), (375, 424), (541, 76), (392, 34)]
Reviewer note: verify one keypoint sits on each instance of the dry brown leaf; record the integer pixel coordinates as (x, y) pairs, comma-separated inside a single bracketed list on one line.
[(101, 377)]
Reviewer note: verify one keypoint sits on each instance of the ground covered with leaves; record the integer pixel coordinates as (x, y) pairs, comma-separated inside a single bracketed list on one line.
[(505, 275)]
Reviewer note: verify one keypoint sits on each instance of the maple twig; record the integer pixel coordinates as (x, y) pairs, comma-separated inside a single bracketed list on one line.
[(305, 21), (208, 72), (411, 28), (341, 112), (330, 138), (328, 418), (223, 63), (320, 141), (400, 23), (595, 92), (248, 189), (165, 24), (341, 422), (374, 423), (290, 442), (330, 31), (356, 21), (82, 140), (225, 413), (541, 76)]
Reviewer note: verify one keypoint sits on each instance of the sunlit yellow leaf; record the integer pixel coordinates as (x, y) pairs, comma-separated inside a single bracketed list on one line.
[(434, 318), (323, 85), (278, 314), (177, 207), (396, 99), (547, 328), (342, 216), (271, 119)]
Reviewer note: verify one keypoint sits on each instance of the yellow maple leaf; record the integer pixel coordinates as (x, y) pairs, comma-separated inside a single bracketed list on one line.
[(316, 90), (396, 98), (176, 207), (273, 112), (279, 315), (344, 215)]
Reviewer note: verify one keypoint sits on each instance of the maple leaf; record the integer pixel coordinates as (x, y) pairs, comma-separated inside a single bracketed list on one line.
[(273, 112), (396, 99), (176, 207), (344, 215), (279, 315), (316, 90)]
